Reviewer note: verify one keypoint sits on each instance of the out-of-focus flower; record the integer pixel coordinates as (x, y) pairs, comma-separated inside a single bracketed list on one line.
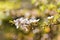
[(23, 23), (58, 0), (27, 14), (50, 17), (16, 23), (13, 13), (53, 12), (47, 11), (19, 12), (35, 12), (32, 20)]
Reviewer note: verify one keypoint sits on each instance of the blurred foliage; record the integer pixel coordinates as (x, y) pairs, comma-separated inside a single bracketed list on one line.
[(9, 5)]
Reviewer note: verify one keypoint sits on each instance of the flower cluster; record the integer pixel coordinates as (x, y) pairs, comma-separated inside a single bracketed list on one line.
[(24, 23)]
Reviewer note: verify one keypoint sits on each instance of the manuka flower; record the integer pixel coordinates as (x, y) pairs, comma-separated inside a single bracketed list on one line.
[(24, 23)]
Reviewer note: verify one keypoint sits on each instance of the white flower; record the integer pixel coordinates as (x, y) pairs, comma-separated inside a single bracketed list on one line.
[(34, 20), (16, 20), (20, 19), (24, 22), (27, 21), (16, 24), (50, 17)]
